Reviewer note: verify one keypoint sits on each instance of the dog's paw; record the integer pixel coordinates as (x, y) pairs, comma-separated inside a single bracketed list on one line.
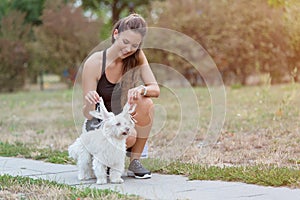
[(81, 177), (89, 176), (101, 181), (117, 180), (84, 177), (92, 176)]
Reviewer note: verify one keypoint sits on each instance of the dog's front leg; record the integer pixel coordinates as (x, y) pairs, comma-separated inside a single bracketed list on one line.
[(100, 172), (115, 174)]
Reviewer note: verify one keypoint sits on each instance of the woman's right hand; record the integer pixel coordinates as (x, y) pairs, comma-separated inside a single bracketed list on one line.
[(92, 97)]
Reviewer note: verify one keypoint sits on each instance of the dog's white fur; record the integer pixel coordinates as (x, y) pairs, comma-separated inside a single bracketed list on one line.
[(104, 147)]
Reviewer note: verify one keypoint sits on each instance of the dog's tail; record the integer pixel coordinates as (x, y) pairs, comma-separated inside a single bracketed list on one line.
[(74, 149)]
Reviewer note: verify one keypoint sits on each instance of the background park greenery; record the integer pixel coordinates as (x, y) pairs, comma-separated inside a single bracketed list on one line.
[(246, 39)]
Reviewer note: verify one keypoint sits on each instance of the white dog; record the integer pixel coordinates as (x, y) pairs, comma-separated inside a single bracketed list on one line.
[(104, 147)]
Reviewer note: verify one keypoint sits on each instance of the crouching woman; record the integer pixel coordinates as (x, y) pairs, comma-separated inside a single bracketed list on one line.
[(120, 74)]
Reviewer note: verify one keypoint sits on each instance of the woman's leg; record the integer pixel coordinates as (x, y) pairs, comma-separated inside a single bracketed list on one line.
[(144, 116), (131, 139)]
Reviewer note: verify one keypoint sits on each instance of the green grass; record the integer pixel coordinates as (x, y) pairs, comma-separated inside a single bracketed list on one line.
[(266, 175), (27, 188), (261, 175), (26, 151)]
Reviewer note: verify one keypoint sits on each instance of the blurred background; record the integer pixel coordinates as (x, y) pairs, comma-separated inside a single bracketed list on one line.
[(43, 42)]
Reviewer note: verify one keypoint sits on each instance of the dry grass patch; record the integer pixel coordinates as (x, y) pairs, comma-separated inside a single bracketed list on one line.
[(43, 119), (261, 125)]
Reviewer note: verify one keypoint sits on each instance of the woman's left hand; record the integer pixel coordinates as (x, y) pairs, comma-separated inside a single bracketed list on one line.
[(134, 94)]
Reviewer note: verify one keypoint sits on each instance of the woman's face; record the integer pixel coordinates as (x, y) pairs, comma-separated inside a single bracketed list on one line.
[(127, 42)]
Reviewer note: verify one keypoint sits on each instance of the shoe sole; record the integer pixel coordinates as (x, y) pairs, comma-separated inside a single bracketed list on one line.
[(131, 174)]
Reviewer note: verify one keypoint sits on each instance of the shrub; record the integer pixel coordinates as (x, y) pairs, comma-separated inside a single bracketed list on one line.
[(13, 52), (243, 37)]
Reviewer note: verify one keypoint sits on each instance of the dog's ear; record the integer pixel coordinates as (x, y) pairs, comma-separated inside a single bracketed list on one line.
[(129, 108), (103, 111), (96, 114), (132, 109)]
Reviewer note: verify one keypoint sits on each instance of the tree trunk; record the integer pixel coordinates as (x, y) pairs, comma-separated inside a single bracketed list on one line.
[(116, 10)]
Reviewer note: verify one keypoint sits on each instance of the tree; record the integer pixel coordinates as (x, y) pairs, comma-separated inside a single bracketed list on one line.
[(116, 7), (291, 19), (242, 36), (32, 8), (14, 56), (110, 11), (64, 39), (4, 8)]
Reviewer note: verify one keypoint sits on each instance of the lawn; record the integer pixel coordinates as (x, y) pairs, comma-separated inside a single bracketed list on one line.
[(261, 129), (261, 124)]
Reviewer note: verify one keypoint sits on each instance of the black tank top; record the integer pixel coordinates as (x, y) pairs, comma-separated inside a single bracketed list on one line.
[(110, 92)]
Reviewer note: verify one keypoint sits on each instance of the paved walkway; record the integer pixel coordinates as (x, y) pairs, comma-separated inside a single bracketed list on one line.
[(158, 187)]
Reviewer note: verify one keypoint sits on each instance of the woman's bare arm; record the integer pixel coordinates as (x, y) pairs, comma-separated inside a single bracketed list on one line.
[(90, 76), (148, 77)]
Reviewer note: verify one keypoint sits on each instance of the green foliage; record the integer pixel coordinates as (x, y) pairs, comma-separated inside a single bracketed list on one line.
[(64, 39), (112, 10), (241, 36), (116, 8), (60, 43), (32, 8), (4, 8)]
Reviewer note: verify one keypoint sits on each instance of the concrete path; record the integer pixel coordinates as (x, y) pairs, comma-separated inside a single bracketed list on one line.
[(158, 187)]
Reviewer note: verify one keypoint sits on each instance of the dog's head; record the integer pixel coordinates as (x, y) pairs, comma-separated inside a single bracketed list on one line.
[(123, 124), (119, 126)]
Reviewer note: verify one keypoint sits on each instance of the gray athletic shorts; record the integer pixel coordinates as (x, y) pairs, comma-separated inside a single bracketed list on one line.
[(92, 124)]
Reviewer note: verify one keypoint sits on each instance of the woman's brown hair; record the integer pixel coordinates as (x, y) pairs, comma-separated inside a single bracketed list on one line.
[(136, 23), (131, 74)]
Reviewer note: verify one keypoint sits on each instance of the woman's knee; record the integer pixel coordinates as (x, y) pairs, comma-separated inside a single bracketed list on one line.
[(145, 106), (144, 112), (148, 102)]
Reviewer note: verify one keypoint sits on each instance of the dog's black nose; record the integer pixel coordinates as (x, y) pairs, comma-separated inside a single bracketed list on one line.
[(124, 133)]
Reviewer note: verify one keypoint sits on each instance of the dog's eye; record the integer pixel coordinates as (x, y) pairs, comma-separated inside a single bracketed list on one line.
[(118, 124)]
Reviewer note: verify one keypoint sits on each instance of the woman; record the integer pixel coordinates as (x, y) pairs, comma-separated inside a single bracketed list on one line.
[(113, 74)]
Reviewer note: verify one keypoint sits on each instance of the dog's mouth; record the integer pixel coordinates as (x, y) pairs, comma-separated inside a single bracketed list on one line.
[(124, 133)]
